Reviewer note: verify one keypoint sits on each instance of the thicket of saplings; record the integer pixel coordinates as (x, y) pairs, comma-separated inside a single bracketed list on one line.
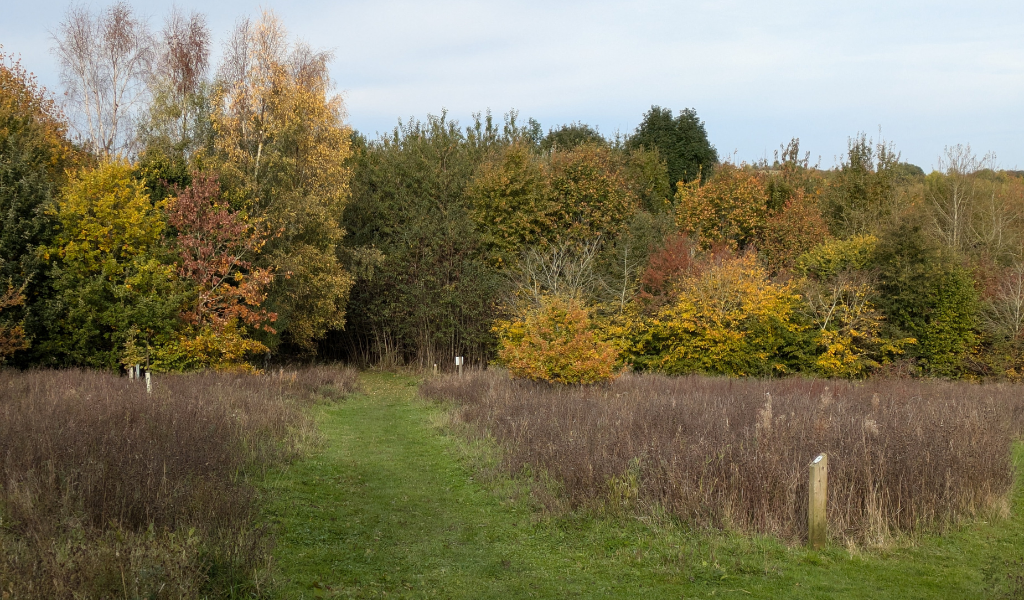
[(109, 491), (905, 456)]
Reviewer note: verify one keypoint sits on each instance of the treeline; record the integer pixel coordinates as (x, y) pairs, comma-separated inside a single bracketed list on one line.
[(444, 221), (569, 255), (782, 267), (179, 216), (191, 217)]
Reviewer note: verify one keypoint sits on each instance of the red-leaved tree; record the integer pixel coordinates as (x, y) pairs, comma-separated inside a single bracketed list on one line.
[(215, 245), (215, 248)]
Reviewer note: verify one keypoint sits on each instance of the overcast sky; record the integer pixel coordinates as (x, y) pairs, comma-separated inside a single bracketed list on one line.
[(928, 73)]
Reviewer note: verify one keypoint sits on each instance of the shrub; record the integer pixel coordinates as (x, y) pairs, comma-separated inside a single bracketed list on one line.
[(840, 300), (556, 342), (728, 318)]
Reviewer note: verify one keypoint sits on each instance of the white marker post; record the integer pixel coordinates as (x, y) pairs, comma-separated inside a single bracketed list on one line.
[(458, 364), (149, 383), (817, 501), (435, 369)]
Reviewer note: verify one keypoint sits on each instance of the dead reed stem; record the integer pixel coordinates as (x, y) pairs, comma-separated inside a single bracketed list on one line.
[(903, 454), (105, 486)]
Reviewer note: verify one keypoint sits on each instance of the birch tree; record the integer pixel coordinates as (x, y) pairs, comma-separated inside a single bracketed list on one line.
[(178, 84), (281, 145), (105, 61), (952, 196)]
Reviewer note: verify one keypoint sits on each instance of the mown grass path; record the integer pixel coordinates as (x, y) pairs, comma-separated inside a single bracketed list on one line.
[(388, 509)]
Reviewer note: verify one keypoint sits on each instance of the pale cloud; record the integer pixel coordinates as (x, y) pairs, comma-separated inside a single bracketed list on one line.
[(928, 73)]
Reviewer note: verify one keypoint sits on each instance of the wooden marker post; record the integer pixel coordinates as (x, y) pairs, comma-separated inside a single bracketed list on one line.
[(458, 364), (435, 369), (149, 384), (817, 520)]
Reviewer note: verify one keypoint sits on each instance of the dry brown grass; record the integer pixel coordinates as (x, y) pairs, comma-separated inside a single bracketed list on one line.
[(904, 455), (109, 491)]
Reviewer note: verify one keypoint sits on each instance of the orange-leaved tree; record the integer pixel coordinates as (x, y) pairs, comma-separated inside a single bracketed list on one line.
[(556, 341), (796, 228), (590, 197), (731, 208), (216, 247), (12, 337)]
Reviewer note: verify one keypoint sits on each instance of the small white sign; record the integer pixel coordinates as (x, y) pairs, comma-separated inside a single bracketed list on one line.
[(458, 361)]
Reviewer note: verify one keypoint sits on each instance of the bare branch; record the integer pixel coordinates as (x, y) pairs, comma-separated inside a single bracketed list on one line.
[(105, 61), (565, 270)]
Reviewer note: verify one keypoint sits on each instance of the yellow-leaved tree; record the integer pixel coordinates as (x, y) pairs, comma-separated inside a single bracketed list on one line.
[(114, 284), (557, 341), (731, 208), (509, 202), (281, 146), (727, 318), (838, 297)]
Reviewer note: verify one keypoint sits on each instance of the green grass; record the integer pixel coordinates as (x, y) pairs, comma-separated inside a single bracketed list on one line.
[(391, 507)]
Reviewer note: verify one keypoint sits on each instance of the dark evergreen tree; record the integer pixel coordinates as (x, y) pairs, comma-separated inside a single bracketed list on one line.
[(34, 154), (425, 291), (681, 140), (926, 294)]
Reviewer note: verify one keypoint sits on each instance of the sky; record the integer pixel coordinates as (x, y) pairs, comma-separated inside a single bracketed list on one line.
[(921, 75)]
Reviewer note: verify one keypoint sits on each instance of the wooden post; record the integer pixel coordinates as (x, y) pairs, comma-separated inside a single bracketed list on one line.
[(458, 364), (435, 369), (817, 501), (149, 384)]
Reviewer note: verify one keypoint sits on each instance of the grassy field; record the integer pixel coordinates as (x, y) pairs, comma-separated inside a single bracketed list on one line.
[(395, 506)]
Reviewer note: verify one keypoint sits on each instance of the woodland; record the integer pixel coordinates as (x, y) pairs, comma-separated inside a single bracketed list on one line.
[(166, 211), (221, 225)]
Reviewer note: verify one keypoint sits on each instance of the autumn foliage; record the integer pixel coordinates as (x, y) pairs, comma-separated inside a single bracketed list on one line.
[(727, 317), (12, 337), (731, 208), (216, 248), (208, 214), (795, 229), (556, 342)]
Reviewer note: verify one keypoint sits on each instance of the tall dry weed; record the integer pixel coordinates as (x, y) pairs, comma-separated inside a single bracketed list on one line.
[(110, 491), (903, 454)]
